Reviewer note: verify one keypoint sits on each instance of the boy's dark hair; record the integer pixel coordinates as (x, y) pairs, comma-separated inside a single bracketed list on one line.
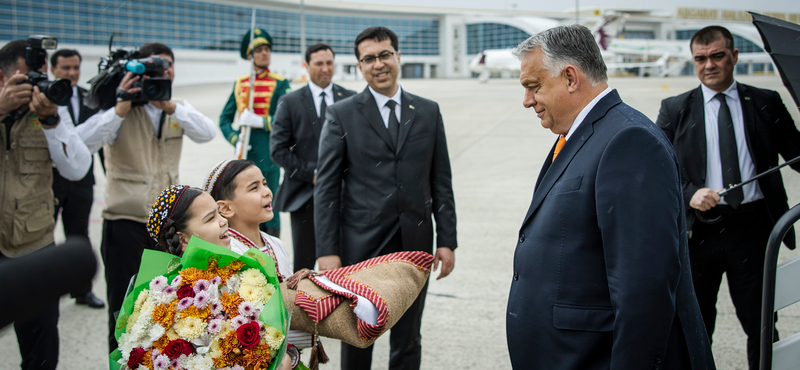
[(64, 53), (155, 48), (170, 241), (226, 185), (10, 54), (378, 34), (315, 48), (710, 34)]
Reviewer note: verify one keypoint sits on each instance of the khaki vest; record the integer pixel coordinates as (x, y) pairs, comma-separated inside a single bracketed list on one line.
[(139, 165), (26, 188)]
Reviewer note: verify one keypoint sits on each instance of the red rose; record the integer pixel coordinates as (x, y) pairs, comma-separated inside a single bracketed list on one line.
[(136, 357), (185, 291), (178, 347), (247, 334)]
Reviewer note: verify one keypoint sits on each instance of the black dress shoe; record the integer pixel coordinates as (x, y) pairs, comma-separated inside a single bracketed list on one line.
[(90, 300)]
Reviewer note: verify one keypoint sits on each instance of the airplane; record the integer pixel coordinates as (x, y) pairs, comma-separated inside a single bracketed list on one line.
[(646, 57)]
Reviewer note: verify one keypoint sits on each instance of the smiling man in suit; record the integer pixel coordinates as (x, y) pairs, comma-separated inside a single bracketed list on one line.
[(75, 198), (601, 270), (725, 132), (383, 171), (293, 145)]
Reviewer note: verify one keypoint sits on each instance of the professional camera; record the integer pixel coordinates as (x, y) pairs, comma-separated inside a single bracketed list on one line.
[(59, 91), (103, 91)]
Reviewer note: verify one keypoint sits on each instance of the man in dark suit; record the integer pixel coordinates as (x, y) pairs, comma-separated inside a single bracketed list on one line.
[(383, 170), (601, 270), (293, 145), (74, 198), (725, 132)]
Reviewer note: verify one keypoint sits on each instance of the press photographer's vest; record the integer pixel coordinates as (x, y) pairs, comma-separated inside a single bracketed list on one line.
[(139, 165), (26, 222)]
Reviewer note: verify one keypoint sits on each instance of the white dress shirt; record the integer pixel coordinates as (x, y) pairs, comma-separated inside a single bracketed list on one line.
[(585, 111), (103, 127), (713, 161), (381, 101), (315, 93), (68, 152), (75, 102)]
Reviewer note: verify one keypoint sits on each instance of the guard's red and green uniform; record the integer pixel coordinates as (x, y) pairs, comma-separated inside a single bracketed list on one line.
[(269, 87)]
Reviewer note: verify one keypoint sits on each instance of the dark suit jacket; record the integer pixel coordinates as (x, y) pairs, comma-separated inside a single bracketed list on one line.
[(77, 119), (601, 270), (293, 145), (769, 130), (367, 189)]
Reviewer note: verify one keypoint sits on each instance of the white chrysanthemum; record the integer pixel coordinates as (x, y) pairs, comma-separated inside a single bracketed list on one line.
[(251, 293), (156, 332), (140, 300), (254, 277), (149, 305), (273, 338), (190, 328), (165, 298), (232, 284), (197, 362), (125, 346)]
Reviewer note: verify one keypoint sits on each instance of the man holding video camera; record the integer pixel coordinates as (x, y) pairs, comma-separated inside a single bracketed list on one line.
[(142, 144), (35, 138)]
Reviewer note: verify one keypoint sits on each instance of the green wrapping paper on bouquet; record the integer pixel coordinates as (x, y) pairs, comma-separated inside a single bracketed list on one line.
[(209, 309)]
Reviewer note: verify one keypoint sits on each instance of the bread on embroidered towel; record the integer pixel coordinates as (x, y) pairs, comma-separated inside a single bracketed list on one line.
[(357, 303)]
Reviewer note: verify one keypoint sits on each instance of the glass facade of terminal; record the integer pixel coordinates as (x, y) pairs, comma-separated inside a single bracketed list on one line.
[(186, 24), (483, 36)]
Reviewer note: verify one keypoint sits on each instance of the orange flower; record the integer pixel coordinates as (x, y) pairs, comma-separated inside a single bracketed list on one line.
[(257, 357), (165, 314), (191, 275), (161, 343), (230, 302), (193, 311)]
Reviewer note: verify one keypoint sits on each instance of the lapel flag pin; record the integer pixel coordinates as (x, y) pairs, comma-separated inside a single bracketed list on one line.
[(338, 94), (411, 106)]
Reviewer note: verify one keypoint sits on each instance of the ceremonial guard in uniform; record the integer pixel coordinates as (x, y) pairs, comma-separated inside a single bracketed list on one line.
[(268, 88)]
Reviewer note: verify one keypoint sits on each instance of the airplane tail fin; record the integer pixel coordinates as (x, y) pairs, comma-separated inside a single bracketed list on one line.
[(607, 28)]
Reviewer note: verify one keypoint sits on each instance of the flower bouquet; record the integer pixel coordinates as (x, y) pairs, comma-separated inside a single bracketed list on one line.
[(210, 309)]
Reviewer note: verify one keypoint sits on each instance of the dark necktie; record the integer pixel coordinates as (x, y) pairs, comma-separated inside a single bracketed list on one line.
[(729, 154), (322, 106), (394, 126)]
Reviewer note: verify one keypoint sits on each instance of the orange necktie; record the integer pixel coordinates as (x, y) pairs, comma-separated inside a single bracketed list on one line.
[(561, 141)]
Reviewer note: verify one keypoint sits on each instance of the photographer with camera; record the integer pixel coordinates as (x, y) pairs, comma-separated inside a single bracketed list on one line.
[(141, 138), (35, 138), (74, 198)]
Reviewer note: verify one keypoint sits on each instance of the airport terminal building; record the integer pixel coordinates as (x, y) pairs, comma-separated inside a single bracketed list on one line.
[(435, 42)]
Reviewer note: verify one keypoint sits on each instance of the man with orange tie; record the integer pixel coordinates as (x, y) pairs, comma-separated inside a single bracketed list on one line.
[(601, 274), (269, 87)]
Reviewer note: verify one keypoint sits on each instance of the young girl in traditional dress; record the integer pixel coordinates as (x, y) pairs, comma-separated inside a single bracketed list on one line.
[(181, 212)]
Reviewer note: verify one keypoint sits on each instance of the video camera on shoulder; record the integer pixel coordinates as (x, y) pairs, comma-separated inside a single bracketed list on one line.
[(59, 91), (103, 91)]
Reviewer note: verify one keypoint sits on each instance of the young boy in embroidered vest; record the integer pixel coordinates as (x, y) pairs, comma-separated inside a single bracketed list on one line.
[(181, 212)]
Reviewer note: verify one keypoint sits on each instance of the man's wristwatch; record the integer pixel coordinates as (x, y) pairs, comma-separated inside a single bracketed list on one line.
[(49, 121)]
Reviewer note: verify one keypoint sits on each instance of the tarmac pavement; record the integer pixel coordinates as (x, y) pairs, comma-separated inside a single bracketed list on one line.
[(496, 149)]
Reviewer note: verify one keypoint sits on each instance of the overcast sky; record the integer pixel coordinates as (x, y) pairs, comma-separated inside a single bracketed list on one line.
[(791, 6)]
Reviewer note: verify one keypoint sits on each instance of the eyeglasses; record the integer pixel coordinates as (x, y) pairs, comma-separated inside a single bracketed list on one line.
[(369, 59)]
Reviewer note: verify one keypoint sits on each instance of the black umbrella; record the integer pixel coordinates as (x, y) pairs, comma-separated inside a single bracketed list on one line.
[(782, 42)]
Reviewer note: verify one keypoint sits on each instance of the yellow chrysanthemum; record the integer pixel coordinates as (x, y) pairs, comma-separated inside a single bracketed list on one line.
[(164, 315), (190, 328), (253, 277), (272, 338), (251, 293), (258, 357), (140, 300), (131, 321)]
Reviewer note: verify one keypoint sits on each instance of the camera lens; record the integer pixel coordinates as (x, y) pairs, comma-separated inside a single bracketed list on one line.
[(59, 91), (152, 90)]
